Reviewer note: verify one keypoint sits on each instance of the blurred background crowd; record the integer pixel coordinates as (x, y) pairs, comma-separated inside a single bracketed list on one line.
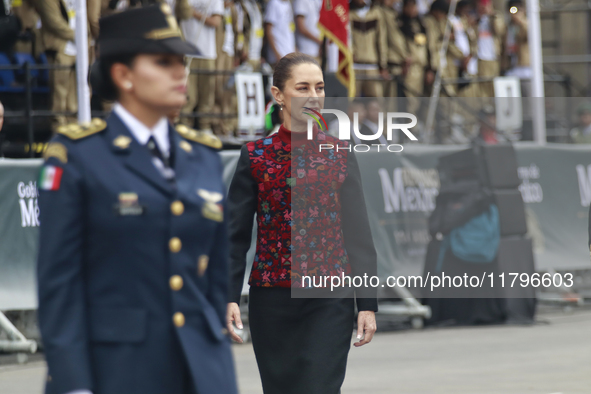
[(396, 48)]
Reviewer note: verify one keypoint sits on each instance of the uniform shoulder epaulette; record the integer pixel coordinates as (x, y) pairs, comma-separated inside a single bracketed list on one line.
[(198, 136), (76, 131)]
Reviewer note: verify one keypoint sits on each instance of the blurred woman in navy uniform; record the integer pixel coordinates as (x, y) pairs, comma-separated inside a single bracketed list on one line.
[(133, 265)]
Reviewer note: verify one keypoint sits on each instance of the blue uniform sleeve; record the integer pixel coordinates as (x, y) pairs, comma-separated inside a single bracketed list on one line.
[(60, 273), (219, 272)]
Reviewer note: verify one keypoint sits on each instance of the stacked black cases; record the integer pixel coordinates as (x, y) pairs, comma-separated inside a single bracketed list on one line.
[(490, 170)]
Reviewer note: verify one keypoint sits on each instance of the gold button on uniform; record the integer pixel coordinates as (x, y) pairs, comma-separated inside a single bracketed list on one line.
[(177, 208), (202, 264), (176, 283), (175, 245), (178, 319)]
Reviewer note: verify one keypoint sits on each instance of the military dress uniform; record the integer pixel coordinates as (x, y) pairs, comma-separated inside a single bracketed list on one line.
[(435, 33), (413, 46), (133, 264), (369, 38)]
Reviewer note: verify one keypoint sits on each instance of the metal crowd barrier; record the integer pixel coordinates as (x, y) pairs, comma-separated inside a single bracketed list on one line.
[(31, 114), (17, 341)]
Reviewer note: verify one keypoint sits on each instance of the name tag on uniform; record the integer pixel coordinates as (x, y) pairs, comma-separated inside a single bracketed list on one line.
[(129, 205)]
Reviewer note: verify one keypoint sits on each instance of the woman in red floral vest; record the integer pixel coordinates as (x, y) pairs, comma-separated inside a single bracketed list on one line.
[(312, 223)]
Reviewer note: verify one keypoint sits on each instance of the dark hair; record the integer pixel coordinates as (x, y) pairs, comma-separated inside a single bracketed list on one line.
[(461, 4), (440, 5), (100, 75), (514, 3), (282, 71)]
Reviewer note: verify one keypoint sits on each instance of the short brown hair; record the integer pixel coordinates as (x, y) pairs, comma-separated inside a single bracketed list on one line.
[(282, 71)]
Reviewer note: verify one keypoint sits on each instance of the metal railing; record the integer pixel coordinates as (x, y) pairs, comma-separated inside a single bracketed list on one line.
[(30, 114)]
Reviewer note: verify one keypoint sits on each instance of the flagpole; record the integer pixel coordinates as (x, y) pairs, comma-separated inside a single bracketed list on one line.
[(537, 79), (84, 115)]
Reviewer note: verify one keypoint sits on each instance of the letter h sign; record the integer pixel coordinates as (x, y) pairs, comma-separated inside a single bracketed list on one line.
[(251, 100)]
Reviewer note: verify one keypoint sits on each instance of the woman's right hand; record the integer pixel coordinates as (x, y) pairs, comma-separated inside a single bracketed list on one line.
[(233, 316)]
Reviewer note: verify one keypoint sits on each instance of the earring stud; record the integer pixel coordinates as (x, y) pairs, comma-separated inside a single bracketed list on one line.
[(128, 85)]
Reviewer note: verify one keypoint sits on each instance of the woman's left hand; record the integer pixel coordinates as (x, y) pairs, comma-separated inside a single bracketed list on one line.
[(366, 327)]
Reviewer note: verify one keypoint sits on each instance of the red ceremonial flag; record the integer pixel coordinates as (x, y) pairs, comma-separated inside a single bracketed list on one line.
[(334, 24)]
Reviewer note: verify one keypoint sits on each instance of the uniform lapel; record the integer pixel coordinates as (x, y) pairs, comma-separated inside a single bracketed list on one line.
[(135, 156)]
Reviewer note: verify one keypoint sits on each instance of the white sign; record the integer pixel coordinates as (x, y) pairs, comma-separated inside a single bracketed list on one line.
[(251, 101), (508, 103)]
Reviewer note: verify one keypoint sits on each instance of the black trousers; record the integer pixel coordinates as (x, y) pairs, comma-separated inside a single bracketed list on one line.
[(301, 344)]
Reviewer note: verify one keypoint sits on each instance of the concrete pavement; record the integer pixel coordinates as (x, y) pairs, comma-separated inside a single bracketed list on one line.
[(548, 358)]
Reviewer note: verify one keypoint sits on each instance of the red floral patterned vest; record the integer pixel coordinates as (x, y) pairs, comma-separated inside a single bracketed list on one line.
[(298, 210)]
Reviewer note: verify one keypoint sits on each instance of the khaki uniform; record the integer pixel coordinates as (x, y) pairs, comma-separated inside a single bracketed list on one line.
[(25, 11), (201, 89), (473, 89), (395, 60), (225, 62), (412, 45), (521, 56), (370, 47), (55, 33), (435, 32), (492, 68), (251, 33), (242, 35)]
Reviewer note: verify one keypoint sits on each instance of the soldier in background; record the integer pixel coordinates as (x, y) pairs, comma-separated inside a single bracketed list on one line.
[(516, 50), (370, 47), (26, 13), (58, 18), (467, 41), (242, 36), (200, 30), (253, 33), (412, 47), (226, 50), (279, 30), (394, 40), (307, 15), (435, 24), (490, 28)]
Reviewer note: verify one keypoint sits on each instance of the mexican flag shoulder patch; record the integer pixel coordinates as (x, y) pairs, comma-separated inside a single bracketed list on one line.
[(50, 177)]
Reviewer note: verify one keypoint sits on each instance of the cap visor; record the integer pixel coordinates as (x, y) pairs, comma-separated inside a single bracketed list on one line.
[(180, 47)]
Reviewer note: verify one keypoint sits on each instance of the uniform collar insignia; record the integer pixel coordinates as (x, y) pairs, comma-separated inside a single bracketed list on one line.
[(122, 142), (184, 145)]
